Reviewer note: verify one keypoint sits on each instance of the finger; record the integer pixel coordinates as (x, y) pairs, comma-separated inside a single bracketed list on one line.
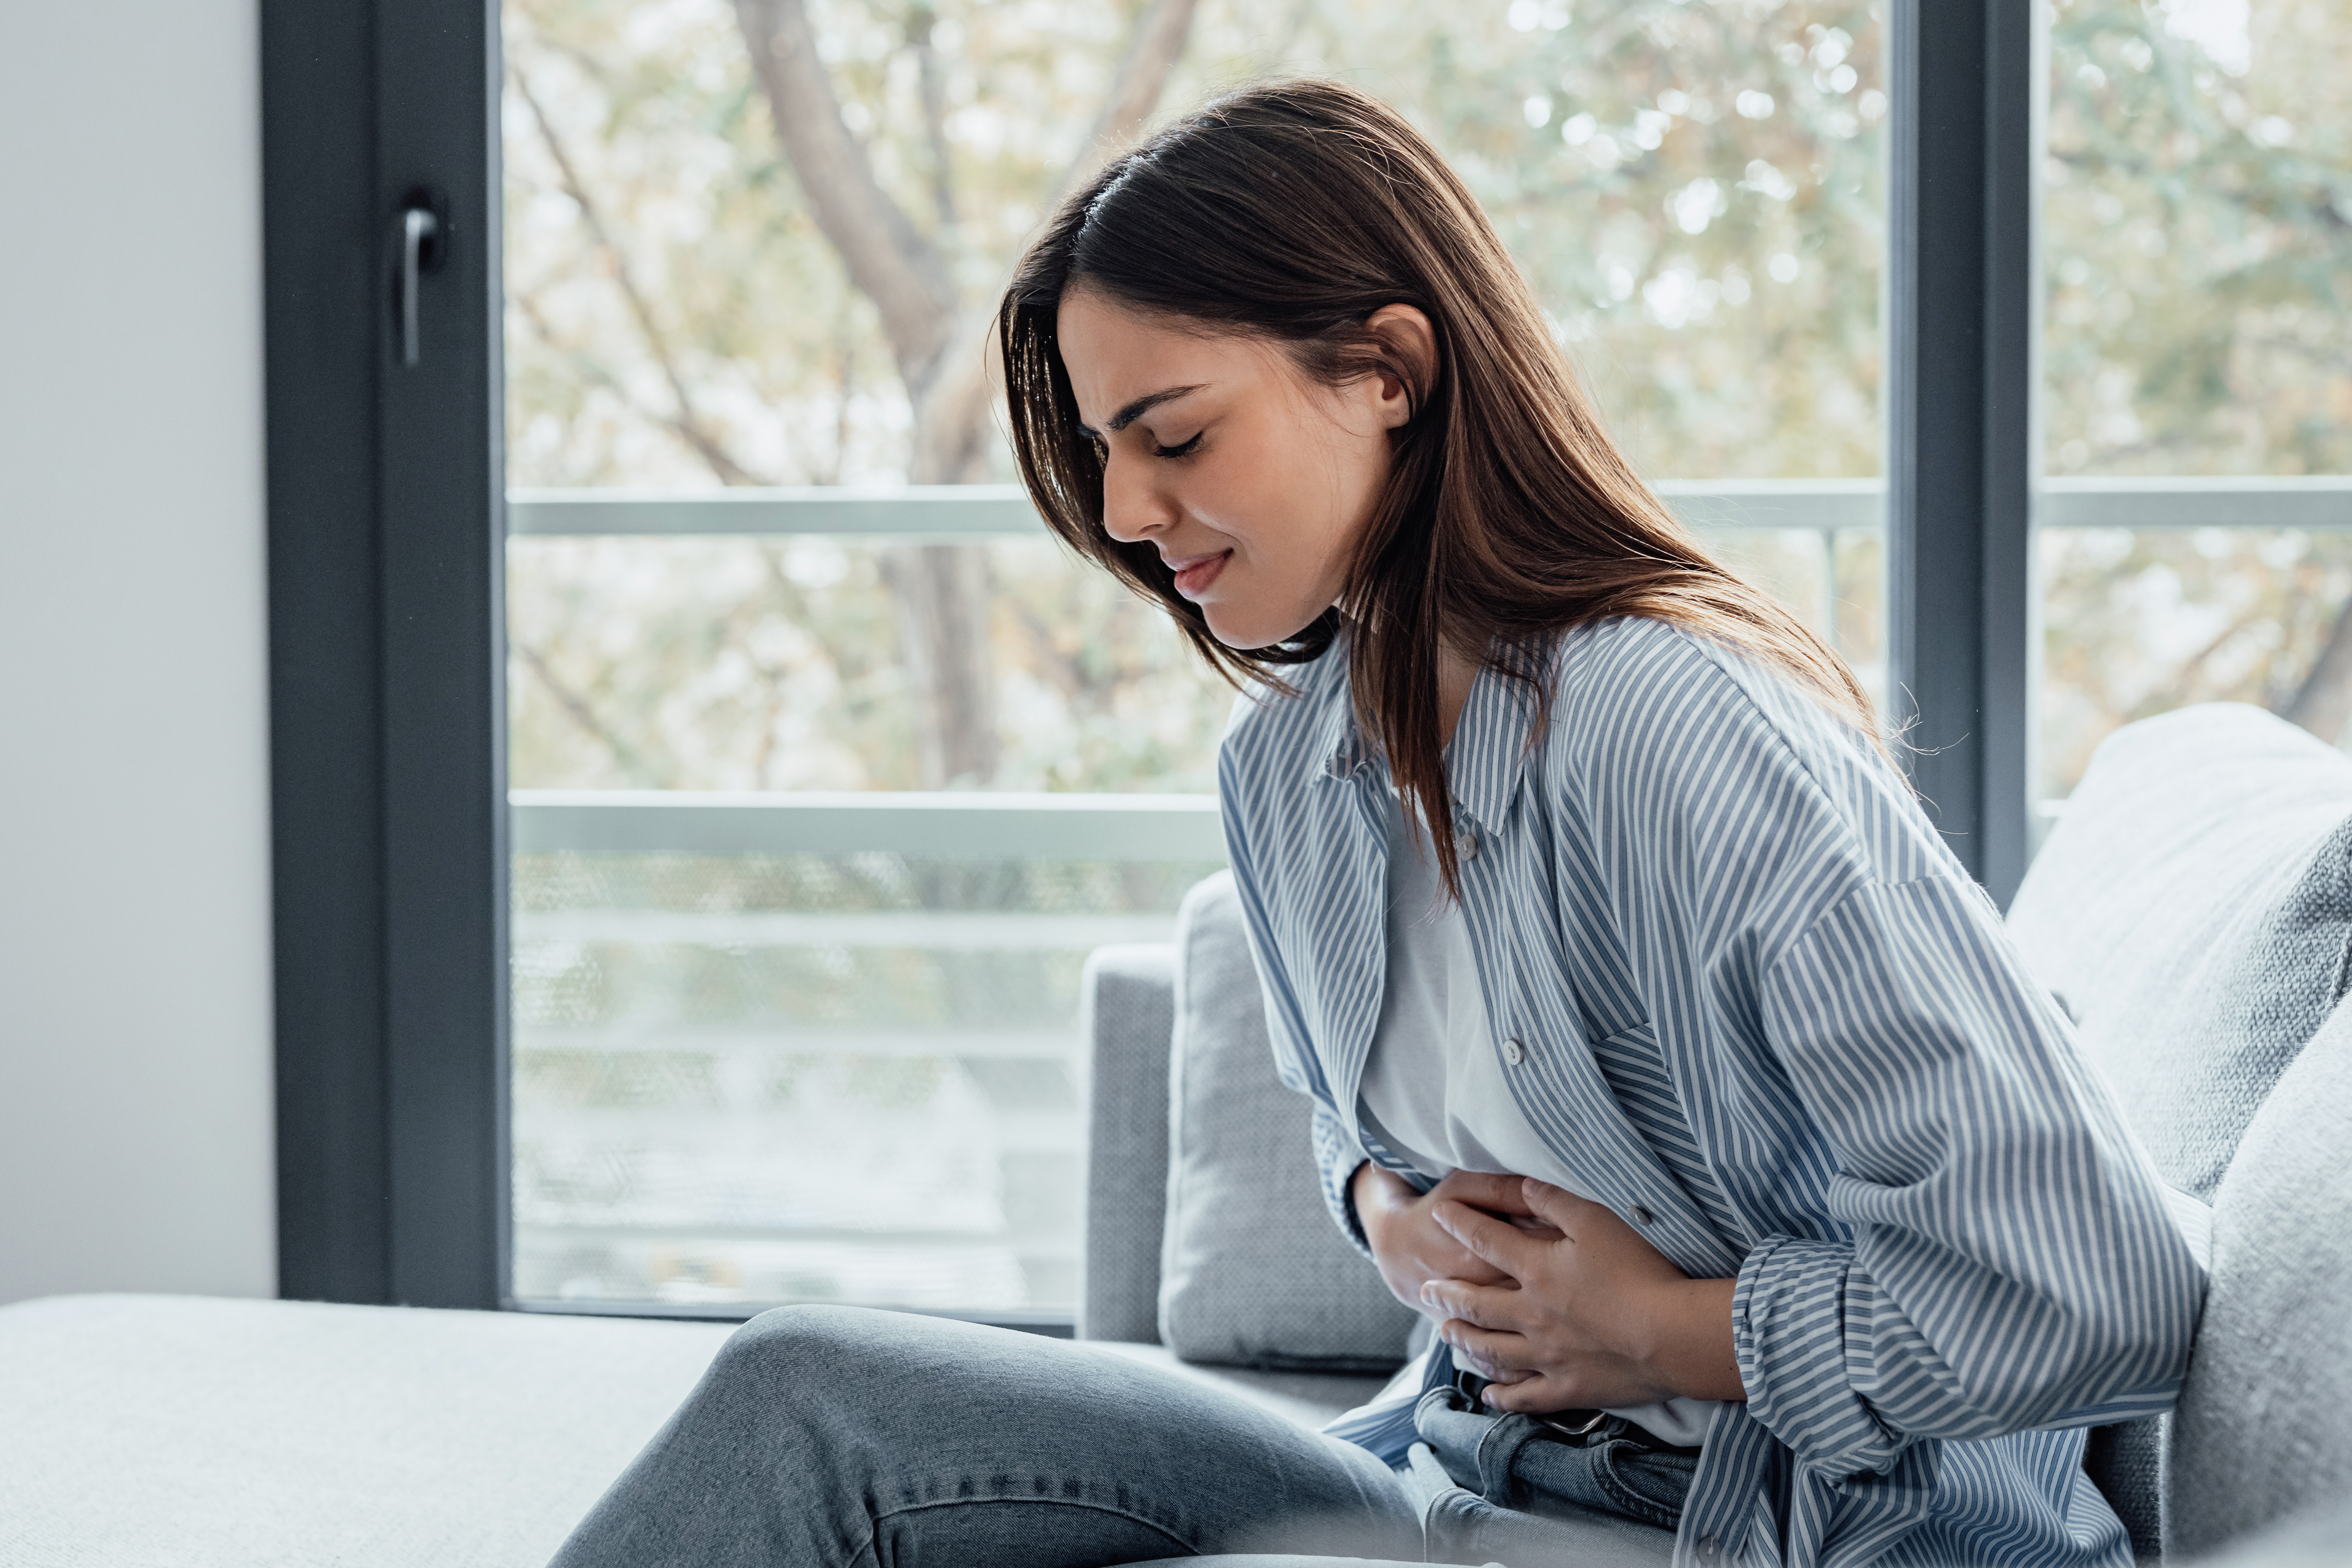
[(1486, 1190), (1466, 1362), (1496, 1353), (1536, 1393), (1488, 1306), (1556, 1206), (1491, 1239)]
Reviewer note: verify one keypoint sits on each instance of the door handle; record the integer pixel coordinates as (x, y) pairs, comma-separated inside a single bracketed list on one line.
[(422, 251)]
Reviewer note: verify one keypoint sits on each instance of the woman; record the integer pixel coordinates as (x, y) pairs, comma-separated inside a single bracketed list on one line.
[(1658, 1048)]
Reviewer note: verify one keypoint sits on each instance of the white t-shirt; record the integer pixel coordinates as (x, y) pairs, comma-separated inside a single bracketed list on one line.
[(1433, 1090)]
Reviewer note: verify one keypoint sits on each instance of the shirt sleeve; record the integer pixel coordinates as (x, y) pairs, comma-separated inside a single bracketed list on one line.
[(2009, 1262), (1961, 1240), (1337, 1152)]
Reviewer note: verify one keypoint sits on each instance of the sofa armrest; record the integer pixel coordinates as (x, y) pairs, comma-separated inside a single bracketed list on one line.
[(1127, 1013)]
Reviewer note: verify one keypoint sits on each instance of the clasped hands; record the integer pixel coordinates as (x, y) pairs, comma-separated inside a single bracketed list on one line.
[(1556, 1301)]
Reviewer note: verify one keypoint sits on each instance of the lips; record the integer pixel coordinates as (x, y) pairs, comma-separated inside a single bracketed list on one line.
[(1195, 573)]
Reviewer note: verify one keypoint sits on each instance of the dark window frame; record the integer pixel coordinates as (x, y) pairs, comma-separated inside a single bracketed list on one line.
[(386, 560), (387, 700)]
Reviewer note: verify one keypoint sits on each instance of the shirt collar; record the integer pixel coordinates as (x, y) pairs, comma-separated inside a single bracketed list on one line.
[(1341, 750), (1483, 765), (1490, 750)]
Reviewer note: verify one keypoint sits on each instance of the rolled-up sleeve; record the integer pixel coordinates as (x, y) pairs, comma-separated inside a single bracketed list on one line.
[(2009, 1262)]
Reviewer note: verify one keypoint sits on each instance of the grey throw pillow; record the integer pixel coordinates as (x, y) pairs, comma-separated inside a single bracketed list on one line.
[(2265, 1427), (1252, 1272), (2193, 913)]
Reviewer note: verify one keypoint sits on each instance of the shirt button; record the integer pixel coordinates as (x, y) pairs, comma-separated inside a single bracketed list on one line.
[(1710, 1550), (1645, 1215), (1466, 844), (1514, 1052)]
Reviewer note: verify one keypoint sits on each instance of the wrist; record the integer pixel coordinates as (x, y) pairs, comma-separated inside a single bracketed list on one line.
[(1679, 1333)]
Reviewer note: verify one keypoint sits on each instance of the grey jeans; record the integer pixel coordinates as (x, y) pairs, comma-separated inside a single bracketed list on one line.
[(834, 1437)]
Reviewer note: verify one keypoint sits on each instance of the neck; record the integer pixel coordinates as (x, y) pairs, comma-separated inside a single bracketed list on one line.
[(1455, 677)]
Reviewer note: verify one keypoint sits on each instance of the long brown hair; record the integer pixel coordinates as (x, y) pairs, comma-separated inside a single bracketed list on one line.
[(1291, 211)]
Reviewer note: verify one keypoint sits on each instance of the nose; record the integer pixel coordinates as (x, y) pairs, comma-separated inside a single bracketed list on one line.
[(1134, 509)]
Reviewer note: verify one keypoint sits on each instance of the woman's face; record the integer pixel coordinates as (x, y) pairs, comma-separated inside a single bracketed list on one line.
[(1250, 479)]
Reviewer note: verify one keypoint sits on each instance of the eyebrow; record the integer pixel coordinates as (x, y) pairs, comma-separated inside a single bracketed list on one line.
[(1142, 406)]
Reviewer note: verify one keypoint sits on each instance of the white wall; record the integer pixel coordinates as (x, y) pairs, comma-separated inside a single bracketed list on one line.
[(135, 1137)]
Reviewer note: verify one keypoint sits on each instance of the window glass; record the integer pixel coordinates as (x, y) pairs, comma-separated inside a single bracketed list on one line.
[(800, 910), (2196, 239)]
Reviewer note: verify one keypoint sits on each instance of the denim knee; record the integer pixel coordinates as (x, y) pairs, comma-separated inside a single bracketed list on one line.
[(797, 1341)]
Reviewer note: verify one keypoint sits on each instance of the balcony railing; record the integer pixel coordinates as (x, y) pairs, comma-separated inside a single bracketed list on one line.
[(950, 513)]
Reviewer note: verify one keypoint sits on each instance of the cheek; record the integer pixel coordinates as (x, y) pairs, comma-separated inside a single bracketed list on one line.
[(1280, 504)]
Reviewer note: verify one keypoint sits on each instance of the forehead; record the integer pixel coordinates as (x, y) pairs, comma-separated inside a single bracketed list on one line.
[(1115, 355)]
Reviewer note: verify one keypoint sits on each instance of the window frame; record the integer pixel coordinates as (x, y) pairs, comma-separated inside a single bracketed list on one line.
[(386, 560), (387, 700), (1963, 441)]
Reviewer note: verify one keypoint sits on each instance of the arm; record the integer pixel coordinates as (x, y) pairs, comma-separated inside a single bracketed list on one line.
[(2008, 1261), (1969, 1244)]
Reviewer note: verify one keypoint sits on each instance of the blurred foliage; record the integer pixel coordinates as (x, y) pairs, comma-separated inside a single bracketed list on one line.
[(2142, 623), (2198, 232), (1695, 190), (2198, 246)]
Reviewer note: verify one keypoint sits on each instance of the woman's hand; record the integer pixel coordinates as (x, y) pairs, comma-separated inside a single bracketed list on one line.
[(1410, 1247), (1589, 1317)]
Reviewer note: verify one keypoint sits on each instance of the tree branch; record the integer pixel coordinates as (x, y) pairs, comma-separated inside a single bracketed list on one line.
[(624, 756), (593, 370), (688, 423), (951, 422), (2322, 703), (1151, 56), (889, 261), (933, 83)]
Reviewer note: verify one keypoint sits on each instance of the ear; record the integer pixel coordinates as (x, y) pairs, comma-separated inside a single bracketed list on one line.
[(1411, 342)]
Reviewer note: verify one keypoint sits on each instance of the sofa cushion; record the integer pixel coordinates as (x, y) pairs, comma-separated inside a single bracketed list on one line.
[(1252, 1272), (2263, 1430), (1126, 1002), (141, 1431), (153, 1430), (2192, 911)]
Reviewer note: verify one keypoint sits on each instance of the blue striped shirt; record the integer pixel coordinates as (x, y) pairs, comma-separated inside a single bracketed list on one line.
[(1766, 1017)]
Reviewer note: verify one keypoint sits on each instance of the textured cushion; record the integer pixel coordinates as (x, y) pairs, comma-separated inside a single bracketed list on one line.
[(1253, 1272), (1127, 1015), (2316, 1538), (139, 1430), (2193, 913), (2264, 1430)]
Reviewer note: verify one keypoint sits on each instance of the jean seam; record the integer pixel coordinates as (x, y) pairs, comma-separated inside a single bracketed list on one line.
[(1630, 1503), (1127, 1514)]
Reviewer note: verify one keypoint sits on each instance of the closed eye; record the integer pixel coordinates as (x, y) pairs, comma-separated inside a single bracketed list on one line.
[(1186, 450)]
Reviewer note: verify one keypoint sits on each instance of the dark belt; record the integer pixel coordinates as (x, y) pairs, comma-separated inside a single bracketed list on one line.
[(1553, 1464)]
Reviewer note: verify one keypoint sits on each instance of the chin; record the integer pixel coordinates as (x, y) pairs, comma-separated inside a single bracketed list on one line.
[(1245, 631)]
